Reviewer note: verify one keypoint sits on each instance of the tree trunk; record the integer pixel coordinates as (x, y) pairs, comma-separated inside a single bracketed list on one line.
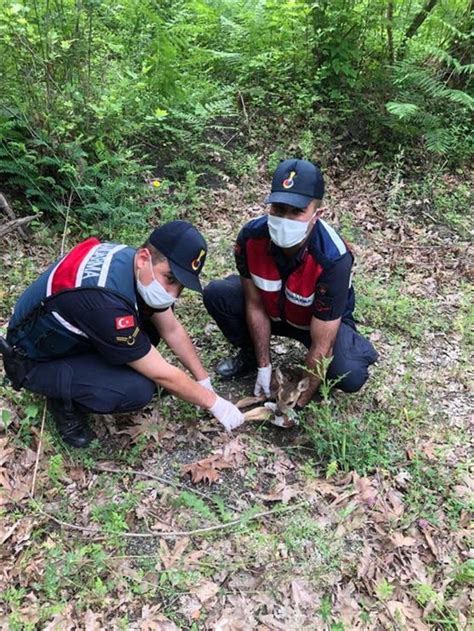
[(391, 54), (417, 21)]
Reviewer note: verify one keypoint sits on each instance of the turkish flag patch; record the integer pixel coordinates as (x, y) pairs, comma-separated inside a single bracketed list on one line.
[(124, 322)]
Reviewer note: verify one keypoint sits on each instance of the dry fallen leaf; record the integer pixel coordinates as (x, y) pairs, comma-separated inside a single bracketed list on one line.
[(207, 470), (170, 557), (205, 591), (61, 621), (366, 566), (92, 621), (431, 544), (234, 620), (428, 450), (365, 491), (303, 595), (272, 624), (347, 606), (401, 541), (281, 493), (147, 427), (152, 620), (407, 614)]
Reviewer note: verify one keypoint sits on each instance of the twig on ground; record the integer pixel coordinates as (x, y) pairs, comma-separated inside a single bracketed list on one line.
[(152, 476), (9, 532), (38, 451), (177, 533), (16, 224)]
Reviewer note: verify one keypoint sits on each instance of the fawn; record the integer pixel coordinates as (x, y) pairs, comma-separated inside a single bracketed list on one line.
[(281, 411)]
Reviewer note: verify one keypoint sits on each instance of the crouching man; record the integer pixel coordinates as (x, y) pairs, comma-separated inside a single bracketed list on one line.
[(84, 334), (295, 282)]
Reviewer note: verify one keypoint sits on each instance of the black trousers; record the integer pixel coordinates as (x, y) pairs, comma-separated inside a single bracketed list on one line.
[(352, 353), (91, 382)]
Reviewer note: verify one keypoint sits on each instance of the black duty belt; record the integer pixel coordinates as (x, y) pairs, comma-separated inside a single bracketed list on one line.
[(16, 363)]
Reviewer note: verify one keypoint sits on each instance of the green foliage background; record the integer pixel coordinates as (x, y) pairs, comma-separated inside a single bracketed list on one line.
[(99, 99)]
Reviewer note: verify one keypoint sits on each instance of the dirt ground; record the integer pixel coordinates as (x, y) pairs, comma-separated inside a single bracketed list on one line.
[(366, 525)]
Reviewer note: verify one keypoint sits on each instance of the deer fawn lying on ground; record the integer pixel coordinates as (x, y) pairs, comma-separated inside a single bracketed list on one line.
[(281, 411)]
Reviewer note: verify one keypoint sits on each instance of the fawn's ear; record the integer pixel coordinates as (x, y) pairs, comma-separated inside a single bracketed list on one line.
[(303, 384), (279, 377)]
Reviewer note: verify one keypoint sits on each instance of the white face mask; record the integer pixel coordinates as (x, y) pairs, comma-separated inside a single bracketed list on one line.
[(287, 232), (154, 295)]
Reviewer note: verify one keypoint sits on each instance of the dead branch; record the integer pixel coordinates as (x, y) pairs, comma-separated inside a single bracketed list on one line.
[(177, 533), (152, 476), (6, 207), (9, 213), (16, 224), (38, 451)]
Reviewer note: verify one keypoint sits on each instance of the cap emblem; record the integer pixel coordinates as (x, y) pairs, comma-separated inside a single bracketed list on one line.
[(197, 262), (289, 182)]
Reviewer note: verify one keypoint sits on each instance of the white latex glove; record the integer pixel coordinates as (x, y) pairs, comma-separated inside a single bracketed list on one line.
[(227, 413), (264, 377), (206, 383)]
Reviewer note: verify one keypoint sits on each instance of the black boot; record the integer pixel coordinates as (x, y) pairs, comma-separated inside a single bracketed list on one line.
[(239, 366), (72, 424)]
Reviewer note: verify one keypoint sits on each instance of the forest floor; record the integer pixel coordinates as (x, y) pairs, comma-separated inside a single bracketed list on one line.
[(359, 523)]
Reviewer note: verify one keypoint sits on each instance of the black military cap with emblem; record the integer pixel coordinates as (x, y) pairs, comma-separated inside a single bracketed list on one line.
[(185, 248)]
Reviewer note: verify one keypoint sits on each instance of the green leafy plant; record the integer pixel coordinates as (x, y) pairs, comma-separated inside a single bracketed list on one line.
[(341, 441), (56, 469), (384, 589), (190, 500), (428, 105), (464, 573)]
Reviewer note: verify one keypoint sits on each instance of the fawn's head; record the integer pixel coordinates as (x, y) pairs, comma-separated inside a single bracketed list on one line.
[(288, 392)]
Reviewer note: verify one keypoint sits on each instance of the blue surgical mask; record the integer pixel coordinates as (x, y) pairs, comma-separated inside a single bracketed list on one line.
[(154, 294)]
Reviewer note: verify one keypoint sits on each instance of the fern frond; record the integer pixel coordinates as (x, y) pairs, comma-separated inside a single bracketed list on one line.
[(230, 58), (467, 69), (232, 25), (403, 111), (458, 96), (438, 140), (442, 55)]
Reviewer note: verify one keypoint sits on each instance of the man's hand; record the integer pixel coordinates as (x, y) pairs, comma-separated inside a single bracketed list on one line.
[(306, 397), (206, 383), (264, 377), (227, 413), (323, 337)]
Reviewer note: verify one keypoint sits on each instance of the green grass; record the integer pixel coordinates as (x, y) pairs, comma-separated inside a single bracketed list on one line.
[(464, 322), (440, 616), (348, 442), (385, 304), (430, 493)]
